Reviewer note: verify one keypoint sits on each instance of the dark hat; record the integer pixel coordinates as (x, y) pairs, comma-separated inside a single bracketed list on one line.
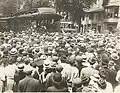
[(100, 50), (38, 61), (105, 58), (101, 83), (59, 68), (64, 59), (26, 60), (12, 60), (21, 50), (5, 52), (57, 78), (29, 50)]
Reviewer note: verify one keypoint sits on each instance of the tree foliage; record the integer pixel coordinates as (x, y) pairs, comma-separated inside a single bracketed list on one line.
[(36, 4), (74, 7), (105, 2), (9, 6)]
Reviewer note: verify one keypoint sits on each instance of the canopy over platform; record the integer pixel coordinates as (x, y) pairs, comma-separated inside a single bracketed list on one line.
[(36, 13), (39, 13)]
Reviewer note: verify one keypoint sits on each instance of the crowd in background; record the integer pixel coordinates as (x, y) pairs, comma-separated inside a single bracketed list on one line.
[(57, 62)]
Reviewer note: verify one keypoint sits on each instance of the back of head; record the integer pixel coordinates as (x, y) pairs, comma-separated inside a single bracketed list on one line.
[(57, 79), (104, 59)]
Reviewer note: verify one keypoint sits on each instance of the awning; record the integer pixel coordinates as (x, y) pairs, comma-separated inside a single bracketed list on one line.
[(111, 5), (49, 16), (6, 18), (41, 13), (27, 15), (111, 20), (95, 10), (46, 10)]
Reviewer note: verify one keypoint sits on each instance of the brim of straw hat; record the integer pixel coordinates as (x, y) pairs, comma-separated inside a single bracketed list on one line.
[(117, 57)]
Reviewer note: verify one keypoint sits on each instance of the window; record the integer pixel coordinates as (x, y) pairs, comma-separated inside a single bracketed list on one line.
[(111, 12), (91, 16), (96, 16), (116, 12), (99, 16)]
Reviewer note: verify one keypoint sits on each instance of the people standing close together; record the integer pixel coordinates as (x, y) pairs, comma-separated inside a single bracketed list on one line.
[(57, 62)]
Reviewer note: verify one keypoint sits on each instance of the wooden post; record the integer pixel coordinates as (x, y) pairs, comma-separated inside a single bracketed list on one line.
[(79, 23), (9, 26)]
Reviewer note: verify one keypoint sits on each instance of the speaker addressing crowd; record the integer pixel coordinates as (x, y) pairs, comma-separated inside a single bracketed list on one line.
[(57, 62)]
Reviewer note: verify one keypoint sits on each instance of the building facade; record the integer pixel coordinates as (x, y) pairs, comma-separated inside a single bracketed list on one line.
[(102, 17)]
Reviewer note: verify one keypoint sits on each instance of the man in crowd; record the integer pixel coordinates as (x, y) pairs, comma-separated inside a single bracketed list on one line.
[(28, 84)]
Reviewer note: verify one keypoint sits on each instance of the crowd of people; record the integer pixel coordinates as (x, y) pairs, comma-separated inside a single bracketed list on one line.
[(57, 62)]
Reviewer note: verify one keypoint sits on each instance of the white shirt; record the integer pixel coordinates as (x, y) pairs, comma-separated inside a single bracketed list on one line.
[(118, 75), (70, 73), (88, 71), (108, 89), (117, 89), (2, 73), (10, 71)]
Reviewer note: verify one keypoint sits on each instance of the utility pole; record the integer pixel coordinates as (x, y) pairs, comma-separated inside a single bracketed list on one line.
[(17, 5), (31, 4)]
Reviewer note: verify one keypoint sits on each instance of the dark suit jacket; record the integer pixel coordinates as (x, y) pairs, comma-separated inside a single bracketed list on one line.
[(28, 84), (54, 89)]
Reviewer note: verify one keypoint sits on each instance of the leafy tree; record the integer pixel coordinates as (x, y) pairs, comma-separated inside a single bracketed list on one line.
[(36, 4), (74, 7), (43, 3), (9, 6), (105, 2)]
